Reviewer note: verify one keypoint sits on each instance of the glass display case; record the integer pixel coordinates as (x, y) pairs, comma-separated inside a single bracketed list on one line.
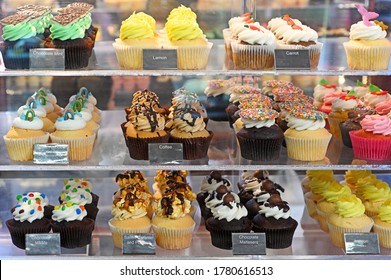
[(113, 88)]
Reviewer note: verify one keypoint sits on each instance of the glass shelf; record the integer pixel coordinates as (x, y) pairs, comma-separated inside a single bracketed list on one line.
[(104, 63), (110, 153)]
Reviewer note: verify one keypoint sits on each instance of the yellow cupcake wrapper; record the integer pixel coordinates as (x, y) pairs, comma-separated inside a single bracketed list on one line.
[(118, 232), (337, 233), (173, 239), (384, 235), (78, 148), (22, 149), (307, 149), (367, 58)]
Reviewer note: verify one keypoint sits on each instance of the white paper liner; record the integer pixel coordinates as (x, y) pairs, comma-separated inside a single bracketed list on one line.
[(129, 57), (311, 205), (192, 57), (307, 149), (384, 235), (314, 51), (118, 232), (22, 149), (367, 58), (336, 233), (252, 56), (173, 239), (78, 148)]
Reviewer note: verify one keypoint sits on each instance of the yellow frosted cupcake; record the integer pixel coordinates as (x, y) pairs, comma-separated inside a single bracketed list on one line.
[(352, 176), (306, 138), (310, 174), (129, 209), (368, 48), (172, 224), (382, 225), (349, 216), (137, 32), (313, 197), (26, 131)]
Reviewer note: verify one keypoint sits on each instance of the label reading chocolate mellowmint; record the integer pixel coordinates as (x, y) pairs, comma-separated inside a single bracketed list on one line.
[(249, 243), (51, 153), (165, 153), (43, 244), (160, 59), (47, 59), (361, 243), (292, 59), (139, 244)]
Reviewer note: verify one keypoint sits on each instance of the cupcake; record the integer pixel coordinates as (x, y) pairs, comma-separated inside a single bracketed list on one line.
[(372, 142), (382, 224), (274, 219), (348, 217), (310, 174), (131, 178), (375, 96), (172, 225), (137, 32), (368, 48), (28, 217), (321, 90), (130, 213), (71, 129), (37, 196), (306, 138), (260, 138), (189, 129), (78, 106), (229, 217), (352, 177), (361, 89), (217, 100), (38, 107), (70, 220), (26, 131)]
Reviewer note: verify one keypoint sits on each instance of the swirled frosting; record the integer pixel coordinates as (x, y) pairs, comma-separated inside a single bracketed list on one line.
[(146, 119), (302, 34), (305, 124), (335, 191), (384, 107), (70, 121), (130, 202), (322, 89), (255, 34), (213, 181), (137, 27), (229, 208), (376, 124), (172, 205), (343, 104), (349, 207), (30, 210), (217, 87), (77, 195), (71, 183), (360, 31), (276, 23), (238, 91), (373, 98), (28, 120), (64, 30), (253, 184), (385, 211), (68, 212), (23, 198), (352, 176), (275, 207), (189, 120), (16, 27)]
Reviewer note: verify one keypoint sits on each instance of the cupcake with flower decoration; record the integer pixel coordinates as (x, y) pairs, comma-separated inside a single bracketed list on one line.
[(328, 100), (361, 89), (373, 141), (260, 138), (71, 222), (384, 107), (217, 100), (306, 138), (375, 96), (368, 48), (321, 90)]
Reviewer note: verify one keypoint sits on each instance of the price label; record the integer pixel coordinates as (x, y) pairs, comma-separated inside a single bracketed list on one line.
[(51, 153), (52, 59), (361, 243), (289, 59), (139, 244), (43, 244), (249, 243), (165, 153), (160, 59)]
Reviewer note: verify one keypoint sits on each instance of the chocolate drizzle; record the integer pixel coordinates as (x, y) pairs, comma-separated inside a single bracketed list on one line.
[(130, 175), (215, 175), (186, 112), (166, 203), (276, 201)]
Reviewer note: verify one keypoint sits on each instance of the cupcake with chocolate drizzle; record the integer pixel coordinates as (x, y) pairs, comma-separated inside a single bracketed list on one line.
[(189, 129), (248, 185), (163, 177), (172, 224), (274, 219), (132, 177), (144, 126)]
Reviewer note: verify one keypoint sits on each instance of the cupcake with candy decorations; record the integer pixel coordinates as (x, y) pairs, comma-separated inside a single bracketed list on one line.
[(382, 224), (38, 107), (26, 130), (217, 100), (260, 138), (37, 196), (373, 141), (361, 89), (321, 90), (71, 221), (375, 96), (306, 138), (132, 177), (368, 48), (28, 218), (52, 99)]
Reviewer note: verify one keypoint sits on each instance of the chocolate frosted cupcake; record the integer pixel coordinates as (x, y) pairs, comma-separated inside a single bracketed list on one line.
[(275, 221), (229, 216)]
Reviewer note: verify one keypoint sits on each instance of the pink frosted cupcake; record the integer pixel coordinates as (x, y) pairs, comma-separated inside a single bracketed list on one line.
[(373, 141), (328, 100), (384, 107), (375, 96), (321, 90)]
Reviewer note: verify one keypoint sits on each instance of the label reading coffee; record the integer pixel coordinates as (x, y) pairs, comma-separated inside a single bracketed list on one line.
[(361, 244), (51, 153), (165, 153), (160, 59), (292, 60), (47, 59), (249, 243), (43, 244), (139, 244)]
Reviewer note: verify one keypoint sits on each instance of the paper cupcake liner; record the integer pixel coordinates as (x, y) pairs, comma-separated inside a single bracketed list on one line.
[(314, 51), (307, 149), (337, 233), (193, 57), (78, 148), (138, 147), (367, 58), (335, 129), (118, 232), (384, 235), (92, 211), (371, 148), (22, 149), (173, 239), (345, 136), (18, 231), (74, 234), (194, 148), (228, 58), (16, 55), (252, 56), (322, 219), (129, 57), (277, 238), (260, 149), (311, 205)]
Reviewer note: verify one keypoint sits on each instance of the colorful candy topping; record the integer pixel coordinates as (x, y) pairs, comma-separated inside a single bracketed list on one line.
[(308, 114), (245, 90), (29, 115), (258, 114)]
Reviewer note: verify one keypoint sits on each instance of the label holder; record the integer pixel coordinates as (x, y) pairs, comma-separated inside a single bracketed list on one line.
[(165, 153), (47, 59), (292, 59), (361, 243), (139, 244), (51, 153), (43, 244), (249, 243), (159, 59)]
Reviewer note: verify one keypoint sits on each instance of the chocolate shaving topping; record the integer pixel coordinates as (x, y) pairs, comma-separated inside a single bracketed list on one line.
[(65, 19), (15, 19), (81, 5), (35, 8)]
